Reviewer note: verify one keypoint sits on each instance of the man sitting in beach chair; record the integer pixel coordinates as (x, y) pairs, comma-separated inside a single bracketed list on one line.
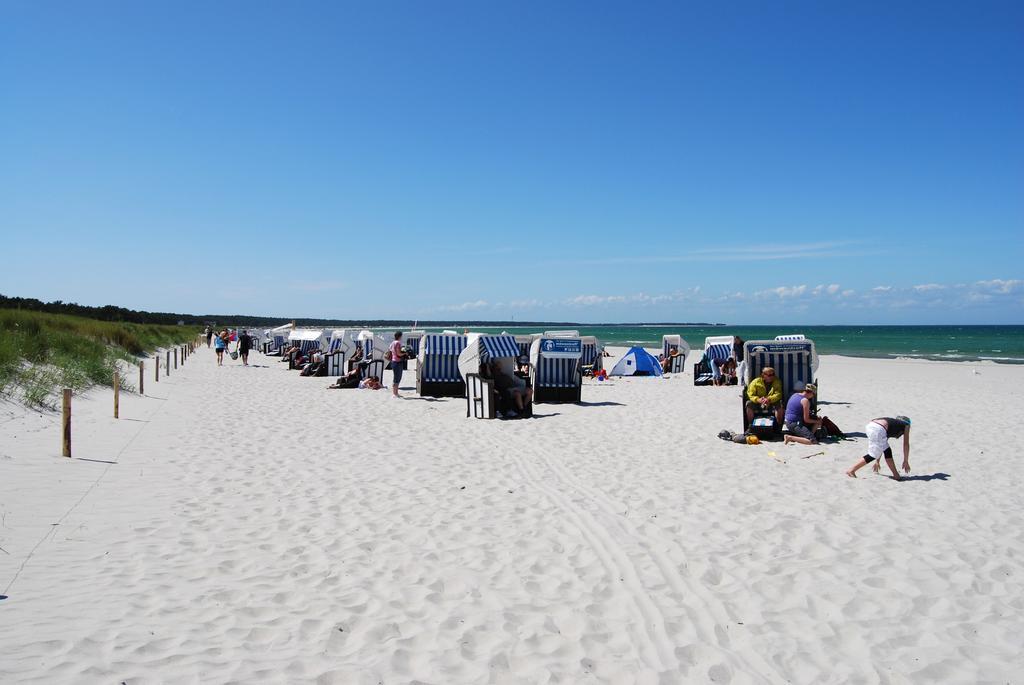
[(764, 396), (514, 394)]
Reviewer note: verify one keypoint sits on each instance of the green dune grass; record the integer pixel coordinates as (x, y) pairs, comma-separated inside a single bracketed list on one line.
[(41, 352)]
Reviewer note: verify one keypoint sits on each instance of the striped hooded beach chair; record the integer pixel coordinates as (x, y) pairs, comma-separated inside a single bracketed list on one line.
[(482, 399), (793, 361), (592, 358), (717, 348), (437, 367), (555, 369), (675, 349)]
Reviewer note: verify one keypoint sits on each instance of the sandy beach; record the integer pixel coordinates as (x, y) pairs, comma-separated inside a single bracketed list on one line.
[(248, 525)]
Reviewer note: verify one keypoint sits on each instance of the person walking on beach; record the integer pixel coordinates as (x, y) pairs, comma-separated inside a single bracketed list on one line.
[(209, 334), (220, 344), (397, 357), (799, 421), (879, 431), (244, 345)]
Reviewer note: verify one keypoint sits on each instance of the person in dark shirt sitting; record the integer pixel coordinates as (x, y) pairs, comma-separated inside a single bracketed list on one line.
[(512, 387)]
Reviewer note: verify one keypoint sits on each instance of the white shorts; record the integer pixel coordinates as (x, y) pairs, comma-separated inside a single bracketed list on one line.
[(878, 442)]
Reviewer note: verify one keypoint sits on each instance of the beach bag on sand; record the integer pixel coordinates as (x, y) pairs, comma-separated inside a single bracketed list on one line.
[(738, 438), (830, 428), (234, 355)]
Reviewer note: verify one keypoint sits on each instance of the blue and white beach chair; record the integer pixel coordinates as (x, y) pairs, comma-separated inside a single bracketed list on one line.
[(793, 361), (717, 348), (482, 399), (437, 367), (675, 349), (555, 369)]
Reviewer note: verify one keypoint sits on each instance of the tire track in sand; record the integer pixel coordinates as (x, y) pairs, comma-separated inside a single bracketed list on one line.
[(653, 642), (707, 624)]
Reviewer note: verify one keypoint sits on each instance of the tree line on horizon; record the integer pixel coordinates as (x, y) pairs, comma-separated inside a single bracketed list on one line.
[(114, 313)]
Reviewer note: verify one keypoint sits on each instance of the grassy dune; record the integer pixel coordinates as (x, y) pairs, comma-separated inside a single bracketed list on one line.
[(41, 352)]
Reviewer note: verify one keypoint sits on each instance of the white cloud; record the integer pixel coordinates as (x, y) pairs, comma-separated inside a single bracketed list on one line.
[(1001, 287), (881, 289), (465, 306), (928, 287), (783, 292)]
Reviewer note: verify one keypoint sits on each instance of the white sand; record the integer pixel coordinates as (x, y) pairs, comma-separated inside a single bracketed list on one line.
[(259, 528)]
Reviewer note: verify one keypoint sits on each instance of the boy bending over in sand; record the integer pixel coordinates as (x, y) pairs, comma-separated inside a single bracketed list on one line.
[(879, 431)]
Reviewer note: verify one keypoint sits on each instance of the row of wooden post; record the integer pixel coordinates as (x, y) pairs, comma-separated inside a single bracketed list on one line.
[(186, 350)]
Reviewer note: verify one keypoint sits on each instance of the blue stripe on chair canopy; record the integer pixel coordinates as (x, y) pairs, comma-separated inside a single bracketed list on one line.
[(557, 373), (335, 345), (368, 348), (496, 346), (719, 351), (279, 341), (589, 354), (444, 344), (441, 357), (524, 349), (414, 345), (308, 345), (792, 361)]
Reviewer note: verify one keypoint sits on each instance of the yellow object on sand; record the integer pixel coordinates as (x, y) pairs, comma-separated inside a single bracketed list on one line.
[(752, 440)]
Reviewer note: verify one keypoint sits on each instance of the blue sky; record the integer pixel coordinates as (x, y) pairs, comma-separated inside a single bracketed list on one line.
[(749, 162)]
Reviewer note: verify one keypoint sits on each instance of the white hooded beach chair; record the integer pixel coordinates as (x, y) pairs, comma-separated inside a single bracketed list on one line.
[(555, 368), (437, 367), (592, 357), (675, 350), (793, 361), (276, 339), (339, 350), (482, 399), (309, 340), (374, 347), (717, 348)]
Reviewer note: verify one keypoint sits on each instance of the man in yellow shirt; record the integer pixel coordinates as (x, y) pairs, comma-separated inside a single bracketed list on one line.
[(765, 393)]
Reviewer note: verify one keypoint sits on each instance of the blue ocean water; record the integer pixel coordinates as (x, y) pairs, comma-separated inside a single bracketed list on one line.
[(1003, 344)]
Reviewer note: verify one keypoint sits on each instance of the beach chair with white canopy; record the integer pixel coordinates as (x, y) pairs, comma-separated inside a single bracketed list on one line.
[(339, 350), (675, 350), (309, 340), (592, 356), (793, 361), (374, 346), (717, 348), (482, 400), (437, 367), (555, 368), (276, 339)]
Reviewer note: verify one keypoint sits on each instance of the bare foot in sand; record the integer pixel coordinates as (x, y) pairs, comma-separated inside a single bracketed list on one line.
[(851, 474)]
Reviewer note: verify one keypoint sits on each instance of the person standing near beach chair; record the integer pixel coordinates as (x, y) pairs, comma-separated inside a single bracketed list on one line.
[(879, 431), (397, 357), (209, 334)]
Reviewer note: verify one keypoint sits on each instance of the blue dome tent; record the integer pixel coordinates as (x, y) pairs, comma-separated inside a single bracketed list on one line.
[(637, 362)]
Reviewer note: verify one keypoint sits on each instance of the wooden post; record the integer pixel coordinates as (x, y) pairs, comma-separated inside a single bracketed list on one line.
[(167, 368), (142, 369), (175, 357), (66, 433), (117, 394), (156, 365)]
